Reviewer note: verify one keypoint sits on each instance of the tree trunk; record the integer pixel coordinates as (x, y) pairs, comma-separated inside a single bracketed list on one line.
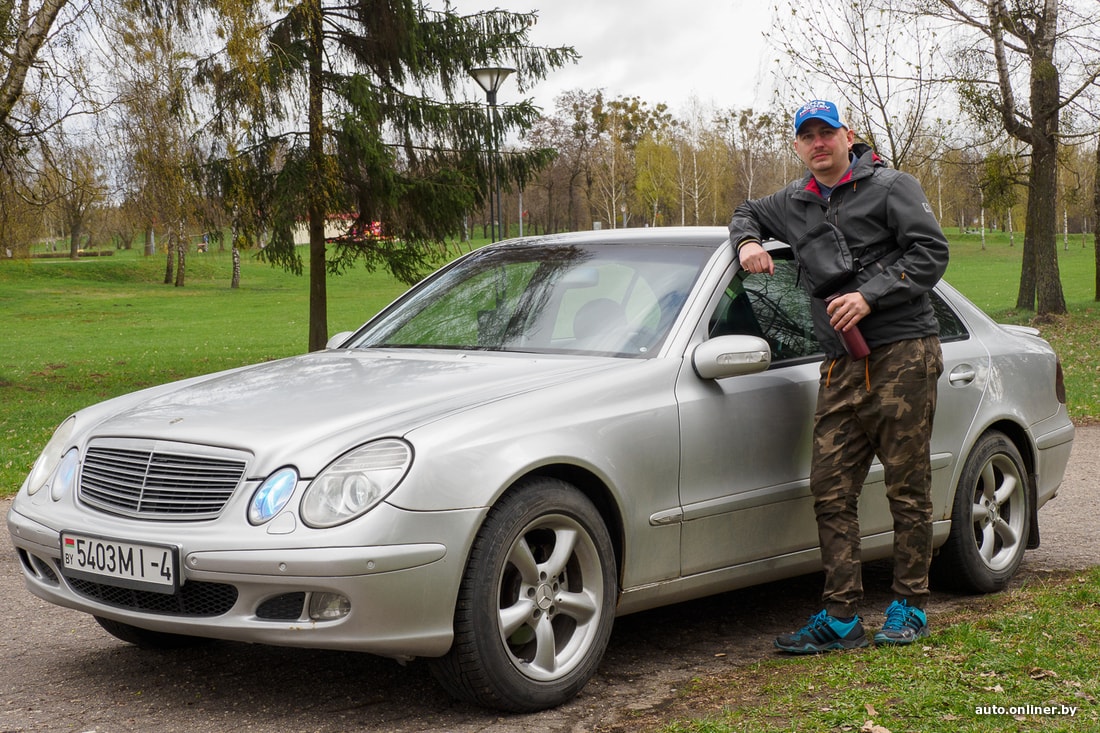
[(1039, 279), (318, 296), (1043, 183), (170, 268), (21, 54), (1096, 223), (1041, 227), (74, 241), (236, 282), (181, 258)]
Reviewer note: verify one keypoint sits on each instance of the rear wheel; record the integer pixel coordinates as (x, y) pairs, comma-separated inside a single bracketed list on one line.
[(537, 601), (990, 519)]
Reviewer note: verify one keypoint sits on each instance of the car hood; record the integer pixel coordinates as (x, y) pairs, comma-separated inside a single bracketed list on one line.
[(347, 395)]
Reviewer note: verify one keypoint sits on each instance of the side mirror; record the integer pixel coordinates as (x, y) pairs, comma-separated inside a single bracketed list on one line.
[(729, 356), (338, 339)]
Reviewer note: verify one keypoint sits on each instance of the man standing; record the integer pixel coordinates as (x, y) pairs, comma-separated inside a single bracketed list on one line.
[(869, 249)]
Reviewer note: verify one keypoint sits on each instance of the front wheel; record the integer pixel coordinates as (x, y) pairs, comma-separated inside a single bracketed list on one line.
[(147, 639), (990, 518), (537, 600)]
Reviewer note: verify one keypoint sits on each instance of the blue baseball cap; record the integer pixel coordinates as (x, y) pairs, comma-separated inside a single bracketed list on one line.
[(818, 109)]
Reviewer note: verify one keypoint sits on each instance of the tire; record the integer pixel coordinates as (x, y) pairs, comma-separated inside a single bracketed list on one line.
[(536, 604), (990, 519), (147, 639)]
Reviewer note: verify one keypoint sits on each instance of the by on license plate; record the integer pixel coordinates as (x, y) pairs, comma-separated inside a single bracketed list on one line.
[(133, 565)]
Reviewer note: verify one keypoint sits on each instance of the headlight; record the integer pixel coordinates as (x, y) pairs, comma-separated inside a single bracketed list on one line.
[(64, 478), (355, 482), (51, 456), (272, 495)]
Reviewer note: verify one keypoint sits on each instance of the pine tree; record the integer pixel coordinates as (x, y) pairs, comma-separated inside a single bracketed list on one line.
[(357, 110)]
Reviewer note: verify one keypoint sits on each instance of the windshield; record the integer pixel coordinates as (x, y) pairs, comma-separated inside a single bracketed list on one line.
[(615, 300)]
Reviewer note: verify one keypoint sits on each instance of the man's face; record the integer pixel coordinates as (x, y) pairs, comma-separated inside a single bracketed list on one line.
[(824, 149)]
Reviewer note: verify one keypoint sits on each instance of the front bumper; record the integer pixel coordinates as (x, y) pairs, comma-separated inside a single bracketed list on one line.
[(401, 595)]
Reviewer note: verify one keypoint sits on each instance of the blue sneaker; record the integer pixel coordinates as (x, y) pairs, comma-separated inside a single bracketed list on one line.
[(824, 633), (904, 625)]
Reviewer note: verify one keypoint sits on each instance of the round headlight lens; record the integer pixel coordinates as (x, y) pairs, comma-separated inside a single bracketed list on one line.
[(64, 478), (272, 495), (355, 482), (51, 455)]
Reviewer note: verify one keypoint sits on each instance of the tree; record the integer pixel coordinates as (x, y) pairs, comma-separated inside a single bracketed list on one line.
[(43, 84), (621, 124), (22, 36), (75, 184), (1020, 45), (760, 151), (550, 192), (580, 143), (1096, 222), (155, 119), (20, 220), (655, 185), (999, 184), (874, 59), (356, 108)]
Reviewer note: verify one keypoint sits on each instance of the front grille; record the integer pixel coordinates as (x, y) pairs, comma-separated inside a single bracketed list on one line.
[(192, 599), (149, 481)]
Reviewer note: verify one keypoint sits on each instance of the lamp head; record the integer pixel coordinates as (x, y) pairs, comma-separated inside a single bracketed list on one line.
[(490, 78)]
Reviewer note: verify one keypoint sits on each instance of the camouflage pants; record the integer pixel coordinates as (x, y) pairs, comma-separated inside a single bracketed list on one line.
[(882, 406)]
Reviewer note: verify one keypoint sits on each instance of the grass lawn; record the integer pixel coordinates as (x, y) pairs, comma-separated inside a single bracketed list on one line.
[(1017, 662), (76, 333)]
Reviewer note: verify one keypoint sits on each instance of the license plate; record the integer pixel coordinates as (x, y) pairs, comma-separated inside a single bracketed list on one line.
[(133, 565)]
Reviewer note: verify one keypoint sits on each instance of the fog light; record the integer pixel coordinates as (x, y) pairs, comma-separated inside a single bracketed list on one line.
[(328, 606)]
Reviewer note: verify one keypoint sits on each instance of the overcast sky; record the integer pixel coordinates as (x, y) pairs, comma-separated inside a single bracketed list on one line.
[(658, 50)]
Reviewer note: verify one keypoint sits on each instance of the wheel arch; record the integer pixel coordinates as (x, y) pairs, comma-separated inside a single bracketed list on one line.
[(598, 492)]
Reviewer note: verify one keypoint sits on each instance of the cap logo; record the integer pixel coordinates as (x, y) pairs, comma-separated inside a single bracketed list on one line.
[(818, 109), (815, 105)]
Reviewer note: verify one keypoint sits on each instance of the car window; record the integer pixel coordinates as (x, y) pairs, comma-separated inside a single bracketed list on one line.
[(951, 328), (618, 300), (773, 307), (778, 310), (474, 314)]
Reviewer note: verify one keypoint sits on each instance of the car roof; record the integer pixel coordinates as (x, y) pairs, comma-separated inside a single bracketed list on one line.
[(711, 236)]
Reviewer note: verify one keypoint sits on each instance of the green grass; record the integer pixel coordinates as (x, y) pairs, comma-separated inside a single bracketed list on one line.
[(1011, 662), (75, 333), (991, 278)]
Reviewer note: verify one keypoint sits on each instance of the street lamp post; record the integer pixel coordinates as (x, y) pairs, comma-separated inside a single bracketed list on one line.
[(490, 79)]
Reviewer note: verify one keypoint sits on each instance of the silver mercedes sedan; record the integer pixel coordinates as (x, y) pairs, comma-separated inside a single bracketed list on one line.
[(545, 434)]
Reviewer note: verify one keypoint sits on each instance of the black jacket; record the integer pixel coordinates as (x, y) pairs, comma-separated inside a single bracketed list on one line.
[(888, 224)]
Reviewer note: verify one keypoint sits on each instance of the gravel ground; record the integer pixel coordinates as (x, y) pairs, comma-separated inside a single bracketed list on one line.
[(63, 673)]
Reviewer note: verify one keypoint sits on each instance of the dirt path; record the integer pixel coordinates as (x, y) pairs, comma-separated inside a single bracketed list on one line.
[(62, 673)]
